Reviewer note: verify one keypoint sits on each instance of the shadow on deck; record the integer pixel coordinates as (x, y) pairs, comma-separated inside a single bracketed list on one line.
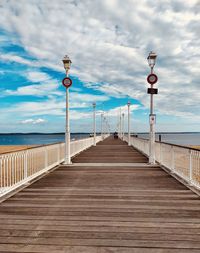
[(99, 209)]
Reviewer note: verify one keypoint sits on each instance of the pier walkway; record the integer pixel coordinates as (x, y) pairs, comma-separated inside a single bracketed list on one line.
[(108, 200)]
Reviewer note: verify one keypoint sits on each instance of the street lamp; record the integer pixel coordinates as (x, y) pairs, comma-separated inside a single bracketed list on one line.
[(120, 123), (152, 60), (102, 126), (152, 79), (128, 104), (122, 126), (67, 82), (67, 63), (94, 122)]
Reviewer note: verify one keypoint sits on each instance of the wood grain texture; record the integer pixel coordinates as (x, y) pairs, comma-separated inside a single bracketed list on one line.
[(102, 209)]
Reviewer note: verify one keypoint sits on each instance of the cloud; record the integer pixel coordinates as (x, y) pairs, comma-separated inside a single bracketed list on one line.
[(36, 76), (115, 112), (44, 85), (108, 45), (33, 121)]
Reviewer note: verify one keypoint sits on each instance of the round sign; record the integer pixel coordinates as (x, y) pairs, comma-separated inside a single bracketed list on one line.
[(152, 78), (67, 82)]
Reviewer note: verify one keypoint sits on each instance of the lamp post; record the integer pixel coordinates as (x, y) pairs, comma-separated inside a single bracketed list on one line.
[(102, 126), (122, 126), (152, 79), (67, 83), (128, 104), (120, 123), (94, 122)]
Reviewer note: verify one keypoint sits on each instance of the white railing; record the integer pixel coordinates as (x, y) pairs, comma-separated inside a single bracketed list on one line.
[(180, 160), (18, 168)]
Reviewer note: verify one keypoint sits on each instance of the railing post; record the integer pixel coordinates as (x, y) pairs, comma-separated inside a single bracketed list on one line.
[(94, 123), (1, 173), (58, 153), (190, 167), (172, 159), (25, 164), (160, 156), (46, 157)]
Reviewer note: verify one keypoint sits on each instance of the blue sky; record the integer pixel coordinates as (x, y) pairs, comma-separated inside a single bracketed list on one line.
[(108, 42)]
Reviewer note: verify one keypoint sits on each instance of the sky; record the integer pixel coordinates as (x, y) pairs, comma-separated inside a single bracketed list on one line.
[(108, 42)]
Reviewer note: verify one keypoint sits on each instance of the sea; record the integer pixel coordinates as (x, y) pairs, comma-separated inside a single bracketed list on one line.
[(185, 139), (38, 138)]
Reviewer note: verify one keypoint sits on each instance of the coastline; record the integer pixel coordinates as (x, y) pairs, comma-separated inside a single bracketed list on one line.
[(14, 148), (197, 147)]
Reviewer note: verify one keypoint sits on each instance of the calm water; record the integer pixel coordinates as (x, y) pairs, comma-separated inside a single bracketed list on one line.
[(32, 139), (177, 138)]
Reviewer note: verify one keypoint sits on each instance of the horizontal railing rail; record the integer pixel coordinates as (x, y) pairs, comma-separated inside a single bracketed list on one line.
[(180, 160), (20, 167)]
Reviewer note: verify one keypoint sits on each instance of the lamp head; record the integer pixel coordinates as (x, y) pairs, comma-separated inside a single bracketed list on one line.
[(66, 62), (152, 59)]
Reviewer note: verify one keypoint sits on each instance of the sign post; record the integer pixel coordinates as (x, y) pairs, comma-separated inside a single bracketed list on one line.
[(67, 82), (122, 126), (129, 123), (152, 79), (94, 124)]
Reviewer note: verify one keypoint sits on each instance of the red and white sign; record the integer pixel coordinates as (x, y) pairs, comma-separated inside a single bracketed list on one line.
[(67, 82), (152, 78)]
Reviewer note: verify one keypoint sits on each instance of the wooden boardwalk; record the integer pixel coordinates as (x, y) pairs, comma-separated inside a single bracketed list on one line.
[(131, 208)]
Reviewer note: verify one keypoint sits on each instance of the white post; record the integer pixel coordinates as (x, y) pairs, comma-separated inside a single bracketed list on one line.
[(152, 134), (190, 167), (94, 122), (122, 126), (152, 130), (151, 61), (67, 132), (129, 123), (102, 126), (67, 63), (172, 159)]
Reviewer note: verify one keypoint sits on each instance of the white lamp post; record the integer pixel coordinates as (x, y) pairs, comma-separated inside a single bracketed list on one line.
[(120, 123), (152, 61), (128, 104), (67, 64), (94, 122), (105, 125), (102, 126), (122, 126)]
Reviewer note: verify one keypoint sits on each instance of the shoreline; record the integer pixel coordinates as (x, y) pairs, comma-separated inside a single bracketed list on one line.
[(197, 147), (14, 148)]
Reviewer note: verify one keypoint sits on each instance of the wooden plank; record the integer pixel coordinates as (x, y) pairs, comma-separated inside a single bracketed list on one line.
[(87, 249), (174, 244), (92, 217), (103, 209)]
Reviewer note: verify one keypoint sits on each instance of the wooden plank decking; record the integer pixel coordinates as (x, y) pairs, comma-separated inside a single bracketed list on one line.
[(103, 209)]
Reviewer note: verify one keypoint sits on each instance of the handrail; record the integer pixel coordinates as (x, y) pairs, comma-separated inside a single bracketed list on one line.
[(180, 160), (20, 167), (177, 145)]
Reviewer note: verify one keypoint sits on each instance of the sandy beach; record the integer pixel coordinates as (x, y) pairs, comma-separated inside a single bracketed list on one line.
[(197, 147), (10, 148)]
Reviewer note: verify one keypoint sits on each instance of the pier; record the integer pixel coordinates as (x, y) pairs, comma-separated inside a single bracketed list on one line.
[(109, 200)]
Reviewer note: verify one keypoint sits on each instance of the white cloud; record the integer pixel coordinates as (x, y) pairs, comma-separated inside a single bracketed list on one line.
[(33, 121), (36, 76), (108, 42)]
